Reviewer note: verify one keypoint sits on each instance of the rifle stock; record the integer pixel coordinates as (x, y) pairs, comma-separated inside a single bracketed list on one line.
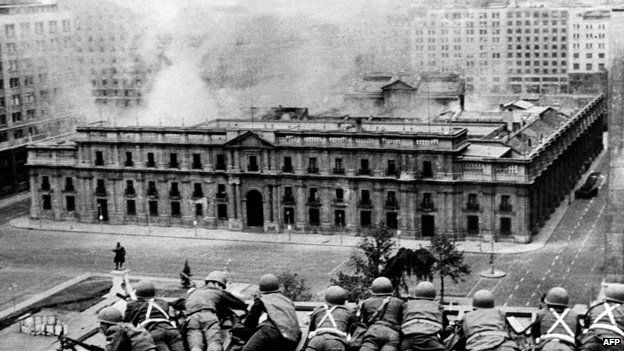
[(69, 343)]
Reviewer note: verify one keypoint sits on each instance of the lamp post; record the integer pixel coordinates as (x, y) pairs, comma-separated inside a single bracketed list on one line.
[(100, 217), (195, 226), (288, 225), (340, 226), (399, 230)]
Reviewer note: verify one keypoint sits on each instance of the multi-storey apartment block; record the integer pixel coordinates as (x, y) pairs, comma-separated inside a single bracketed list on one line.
[(322, 174), (35, 68)]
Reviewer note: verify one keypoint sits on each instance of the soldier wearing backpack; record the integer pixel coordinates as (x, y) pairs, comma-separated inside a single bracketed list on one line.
[(423, 320), (329, 323), (382, 315), (123, 336)]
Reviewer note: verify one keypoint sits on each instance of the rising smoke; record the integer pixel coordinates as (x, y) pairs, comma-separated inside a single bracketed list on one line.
[(215, 59)]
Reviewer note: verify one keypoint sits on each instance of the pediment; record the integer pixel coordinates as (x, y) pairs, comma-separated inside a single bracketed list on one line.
[(249, 140), (397, 85)]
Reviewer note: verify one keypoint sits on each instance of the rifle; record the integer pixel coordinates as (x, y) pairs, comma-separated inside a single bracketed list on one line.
[(67, 343)]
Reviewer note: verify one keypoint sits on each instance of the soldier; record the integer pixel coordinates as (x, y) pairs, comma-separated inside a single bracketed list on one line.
[(485, 327), (557, 326), (273, 319), (153, 315), (330, 322), (203, 307), (382, 315), (423, 320), (605, 320), (123, 336), (120, 256)]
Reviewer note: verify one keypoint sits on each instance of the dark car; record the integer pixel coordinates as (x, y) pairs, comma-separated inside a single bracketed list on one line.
[(589, 188)]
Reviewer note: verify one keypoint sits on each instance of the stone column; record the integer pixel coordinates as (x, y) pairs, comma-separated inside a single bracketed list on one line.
[(300, 211)]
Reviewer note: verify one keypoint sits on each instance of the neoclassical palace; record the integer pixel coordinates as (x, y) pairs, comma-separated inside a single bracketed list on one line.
[(293, 172)]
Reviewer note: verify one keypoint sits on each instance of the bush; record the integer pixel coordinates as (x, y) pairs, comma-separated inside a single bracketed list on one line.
[(294, 288)]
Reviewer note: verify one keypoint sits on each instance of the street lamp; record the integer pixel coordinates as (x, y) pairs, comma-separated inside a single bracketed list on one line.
[(288, 225), (399, 230), (340, 226), (100, 217), (195, 226)]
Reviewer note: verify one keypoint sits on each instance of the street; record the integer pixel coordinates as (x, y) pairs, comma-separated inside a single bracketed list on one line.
[(35, 260)]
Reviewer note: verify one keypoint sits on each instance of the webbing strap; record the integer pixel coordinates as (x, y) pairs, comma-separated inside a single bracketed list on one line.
[(608, 313), (328, 314), (151, 305), (560, 321)]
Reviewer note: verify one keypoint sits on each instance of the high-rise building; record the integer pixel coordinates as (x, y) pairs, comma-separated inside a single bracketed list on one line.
[(589, 48), (35, 72)]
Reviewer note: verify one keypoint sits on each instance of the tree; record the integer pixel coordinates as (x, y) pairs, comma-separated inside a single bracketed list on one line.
[(449, 261), (406, 263), (370, 257), (295, 288)]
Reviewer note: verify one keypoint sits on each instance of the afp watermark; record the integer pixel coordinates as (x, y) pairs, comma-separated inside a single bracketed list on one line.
[(611, 342)]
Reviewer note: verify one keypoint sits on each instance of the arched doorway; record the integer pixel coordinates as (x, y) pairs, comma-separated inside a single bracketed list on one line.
[(255, 212)]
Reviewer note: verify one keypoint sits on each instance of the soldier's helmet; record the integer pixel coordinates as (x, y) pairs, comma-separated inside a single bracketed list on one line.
[(217, 277), (483, 299), (615, 293), (381, 286), (335, 295), (269, 283), (425, 291), (110, 315), (145, 290), (557, 296)]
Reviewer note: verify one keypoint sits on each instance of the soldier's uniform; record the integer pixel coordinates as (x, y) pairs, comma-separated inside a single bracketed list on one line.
[(203, 307), (383, 325), (152, 314), (605, 320), (557, 326), (123, 336), (329, 323), (484, 328), (273, 319), (423, 320)]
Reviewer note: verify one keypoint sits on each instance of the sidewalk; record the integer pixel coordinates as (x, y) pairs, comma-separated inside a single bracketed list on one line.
[(280, 238)]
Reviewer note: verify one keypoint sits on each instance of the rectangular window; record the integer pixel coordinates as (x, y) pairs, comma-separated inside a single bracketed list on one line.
[(314, 217), (338, 167), (153, 208), (289, 216), (199, 210), (197, 190), (427, 170), (505, 204), (473, 224), (364, 170), (14, 83), (128, 162), (99, 158), (151, 189), (220, 162), (175, 209), (45, 183), (131, 207), (197, 161), (288, 195), (392, 170), (427, 202), (339, 195), (173, 160), (130, 188), (365, 197), (392, 220), (174, 191), (252, 166), (3, 119), (339, 218), (221, 192), (287, 167), (365, 218), (16, 117), (222, 212), (69, 184), (46, 202), (505, 225), (9, 30), (100, 188), (150, 160), (391, 199), (70, 203), (312, 166), (313, 198)]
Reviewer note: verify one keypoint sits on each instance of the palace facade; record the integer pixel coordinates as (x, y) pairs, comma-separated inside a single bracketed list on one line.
[(323, 174)]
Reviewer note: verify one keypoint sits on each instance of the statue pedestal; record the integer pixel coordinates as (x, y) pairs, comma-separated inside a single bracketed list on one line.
[(120, 280)]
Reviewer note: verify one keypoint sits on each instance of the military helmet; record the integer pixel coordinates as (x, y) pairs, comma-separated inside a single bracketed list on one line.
[(145, 290), (425, 291), (615, 293), (217, 277), (381, 286), (110, 315), (483, 299), (269, 283), (557, 296), (335, 295)]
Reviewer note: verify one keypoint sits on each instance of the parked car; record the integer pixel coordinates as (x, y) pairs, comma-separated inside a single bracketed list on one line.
[(589, 188)]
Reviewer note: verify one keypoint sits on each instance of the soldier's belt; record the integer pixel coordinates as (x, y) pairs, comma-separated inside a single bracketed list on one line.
[(423, 321), (327, 330), (487, 333), (563, 337), (609, 327), (155, 321)]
